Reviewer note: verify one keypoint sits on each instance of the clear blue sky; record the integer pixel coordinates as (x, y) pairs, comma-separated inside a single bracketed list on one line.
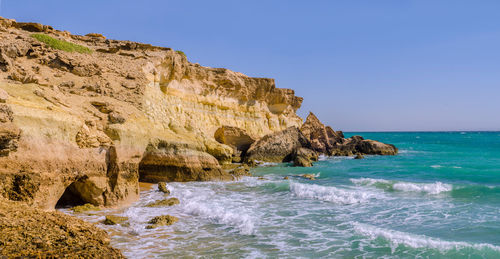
[(360, 65)]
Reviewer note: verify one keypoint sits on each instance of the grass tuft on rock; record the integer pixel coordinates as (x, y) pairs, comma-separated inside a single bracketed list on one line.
[(61, 44), (181, 52)]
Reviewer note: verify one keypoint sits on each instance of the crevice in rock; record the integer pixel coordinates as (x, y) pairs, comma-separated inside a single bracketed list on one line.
[(113, 168), (145, 168), (70, 198)]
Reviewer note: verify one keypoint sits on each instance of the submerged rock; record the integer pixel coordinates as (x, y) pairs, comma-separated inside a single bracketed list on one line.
[(162, 203), (309, 176), (242, 170), (162, 187), (113, 220), (359, 156), (165, 220), (84, 208)]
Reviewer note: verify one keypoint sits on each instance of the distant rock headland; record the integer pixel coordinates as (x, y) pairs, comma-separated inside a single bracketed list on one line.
[(83, 119)]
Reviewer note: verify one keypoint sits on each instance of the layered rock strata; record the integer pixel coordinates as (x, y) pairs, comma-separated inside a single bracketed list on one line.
[(79, 128)]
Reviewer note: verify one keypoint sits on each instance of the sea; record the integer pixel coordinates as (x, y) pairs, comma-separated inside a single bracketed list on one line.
[(438, 198)]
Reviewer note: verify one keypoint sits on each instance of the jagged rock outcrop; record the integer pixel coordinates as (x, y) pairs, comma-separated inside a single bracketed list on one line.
[(322, 138), (303, 146), (326, 141), (86, 126), (277, 147), (164, 220), (9, 132)]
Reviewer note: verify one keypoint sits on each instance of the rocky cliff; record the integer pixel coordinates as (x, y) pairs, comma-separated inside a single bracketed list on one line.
[(82, 118)]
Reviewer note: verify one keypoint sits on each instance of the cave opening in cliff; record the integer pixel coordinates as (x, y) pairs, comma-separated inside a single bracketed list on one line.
[(70, 198)]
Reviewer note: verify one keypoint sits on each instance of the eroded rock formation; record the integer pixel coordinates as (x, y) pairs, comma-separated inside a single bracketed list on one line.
[(84, 127), (236, 138), (179, 162), (303, 146), (278, 146)]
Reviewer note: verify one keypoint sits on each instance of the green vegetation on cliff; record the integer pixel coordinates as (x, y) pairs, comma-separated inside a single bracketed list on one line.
[(181, 52), (61, 44)]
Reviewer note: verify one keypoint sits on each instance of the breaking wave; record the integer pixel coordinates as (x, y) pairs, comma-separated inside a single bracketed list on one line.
[(397, 238), (219, 215), (429, 188), (331, 194)]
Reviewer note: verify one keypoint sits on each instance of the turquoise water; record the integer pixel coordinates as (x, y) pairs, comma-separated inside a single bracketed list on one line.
[(439, 198)]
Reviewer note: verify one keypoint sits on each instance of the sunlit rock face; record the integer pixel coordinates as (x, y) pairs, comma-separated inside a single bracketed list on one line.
[(90, 125)]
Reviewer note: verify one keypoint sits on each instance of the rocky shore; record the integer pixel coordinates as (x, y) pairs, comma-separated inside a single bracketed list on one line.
[(83, 119), (27, 232)]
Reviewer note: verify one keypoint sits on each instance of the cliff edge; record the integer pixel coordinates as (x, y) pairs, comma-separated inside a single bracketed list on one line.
[(82, 118)]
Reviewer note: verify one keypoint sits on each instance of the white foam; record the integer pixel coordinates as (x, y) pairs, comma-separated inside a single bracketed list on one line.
[(430, 188), (436, 166), (332, 194), (322, 157), (397, 238), (219, 215), (369, 181), (266, 164), (407, 151)]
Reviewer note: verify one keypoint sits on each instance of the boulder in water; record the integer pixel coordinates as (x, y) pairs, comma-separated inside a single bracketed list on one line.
[(162, 187), (309, 176), (165, 220), (113, 220), (164, 203), (359, 156), (84, 208), (303, 157)]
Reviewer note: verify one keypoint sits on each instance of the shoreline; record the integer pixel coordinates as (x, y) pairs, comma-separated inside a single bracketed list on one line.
[(84, 120)]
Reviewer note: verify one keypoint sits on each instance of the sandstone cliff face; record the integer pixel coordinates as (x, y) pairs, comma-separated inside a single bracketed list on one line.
[(89, 125)]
